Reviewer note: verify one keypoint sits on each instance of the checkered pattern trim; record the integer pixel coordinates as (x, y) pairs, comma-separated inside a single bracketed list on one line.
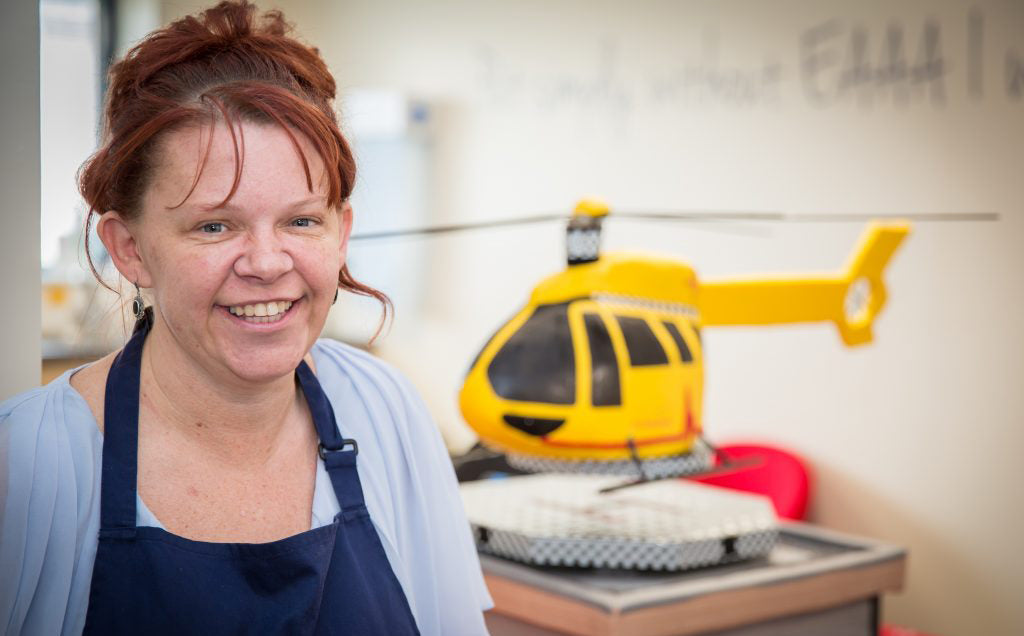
[(697, 460), (620, 300), (563, 520), (583, 244)]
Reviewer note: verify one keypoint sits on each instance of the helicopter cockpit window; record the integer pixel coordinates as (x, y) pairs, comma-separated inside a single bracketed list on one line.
[(643, 346), (604, 369), (684, 351), (537, 364)]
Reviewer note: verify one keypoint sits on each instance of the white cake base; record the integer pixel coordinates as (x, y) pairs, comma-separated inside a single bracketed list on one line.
[(663, 525)]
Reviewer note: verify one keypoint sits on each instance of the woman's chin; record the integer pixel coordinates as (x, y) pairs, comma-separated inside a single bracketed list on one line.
[(259, 367)]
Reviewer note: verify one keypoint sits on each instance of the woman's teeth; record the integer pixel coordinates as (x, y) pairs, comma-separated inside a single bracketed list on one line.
[(262, 312)]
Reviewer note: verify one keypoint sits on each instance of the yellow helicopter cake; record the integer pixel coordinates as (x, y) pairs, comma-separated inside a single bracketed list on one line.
[(603, 367)]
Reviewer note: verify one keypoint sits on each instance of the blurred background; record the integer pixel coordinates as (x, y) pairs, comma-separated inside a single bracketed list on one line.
[(465, 111)]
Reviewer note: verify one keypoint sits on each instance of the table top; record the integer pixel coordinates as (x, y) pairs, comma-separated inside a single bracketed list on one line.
[(810, 568)]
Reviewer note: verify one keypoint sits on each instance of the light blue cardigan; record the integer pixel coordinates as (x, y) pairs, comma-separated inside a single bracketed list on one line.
[(50, 450)]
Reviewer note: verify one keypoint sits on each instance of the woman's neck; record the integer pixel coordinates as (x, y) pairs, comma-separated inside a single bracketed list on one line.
[(236, 421)]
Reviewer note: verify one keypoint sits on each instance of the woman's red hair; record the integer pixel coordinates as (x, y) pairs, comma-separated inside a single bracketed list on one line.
[(226, 64)]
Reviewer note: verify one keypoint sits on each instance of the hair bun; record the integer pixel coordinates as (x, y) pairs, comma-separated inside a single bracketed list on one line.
[(229, 42)]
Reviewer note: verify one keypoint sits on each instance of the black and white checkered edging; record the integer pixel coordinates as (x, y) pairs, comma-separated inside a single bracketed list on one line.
[(621, 300), (697, 460), (583, 244), (623, 553), (756, 544)]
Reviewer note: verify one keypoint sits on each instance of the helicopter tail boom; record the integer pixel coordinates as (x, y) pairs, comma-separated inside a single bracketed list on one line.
[(850, 299)]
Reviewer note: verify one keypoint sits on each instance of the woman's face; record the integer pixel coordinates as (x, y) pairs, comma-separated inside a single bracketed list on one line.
[(244, 288)]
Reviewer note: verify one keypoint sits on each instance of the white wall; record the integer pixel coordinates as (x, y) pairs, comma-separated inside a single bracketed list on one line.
[(19, 207), (915, 439)]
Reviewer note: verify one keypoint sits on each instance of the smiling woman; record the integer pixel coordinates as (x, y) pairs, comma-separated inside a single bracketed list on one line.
[(269, 245), (227, 471)]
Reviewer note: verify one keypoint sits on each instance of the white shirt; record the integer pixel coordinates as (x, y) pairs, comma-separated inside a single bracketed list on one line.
[(50, 461)]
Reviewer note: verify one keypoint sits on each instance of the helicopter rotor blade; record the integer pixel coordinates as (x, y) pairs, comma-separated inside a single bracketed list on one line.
[(461, 227), (711, 216), (725, 468), (736, 223), (718, 220), (929, 217), (454, 228), (799, 217)]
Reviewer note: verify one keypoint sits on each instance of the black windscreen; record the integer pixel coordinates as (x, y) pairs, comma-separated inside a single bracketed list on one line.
[(644, 348), (604, 370), (684, 351), (537, 363)]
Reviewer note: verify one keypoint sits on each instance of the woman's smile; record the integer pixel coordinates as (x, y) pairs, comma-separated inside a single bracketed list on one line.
[(262, 316)]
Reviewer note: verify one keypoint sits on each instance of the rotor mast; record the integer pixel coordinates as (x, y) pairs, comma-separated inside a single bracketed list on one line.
[(583, 233)]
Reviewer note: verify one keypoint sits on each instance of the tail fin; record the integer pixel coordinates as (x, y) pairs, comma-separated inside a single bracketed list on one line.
[(865, 290), (851, 299)]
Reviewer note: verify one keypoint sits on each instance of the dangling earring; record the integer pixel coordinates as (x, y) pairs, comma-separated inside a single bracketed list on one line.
[(335, 296), (138, 305)]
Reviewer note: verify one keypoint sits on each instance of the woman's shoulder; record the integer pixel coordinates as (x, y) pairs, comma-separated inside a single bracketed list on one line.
[(50, 453), (50, 449), (56, 408), (343, 354), (349, 368), (48, 439)]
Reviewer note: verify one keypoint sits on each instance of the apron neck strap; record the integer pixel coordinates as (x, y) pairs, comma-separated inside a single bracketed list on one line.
[(338, 453), (121, 433), (121, 436)]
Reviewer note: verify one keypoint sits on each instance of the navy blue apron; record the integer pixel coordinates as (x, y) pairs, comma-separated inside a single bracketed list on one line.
[(335, 579)]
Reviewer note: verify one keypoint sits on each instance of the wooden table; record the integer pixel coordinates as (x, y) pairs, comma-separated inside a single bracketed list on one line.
[(814, 582)]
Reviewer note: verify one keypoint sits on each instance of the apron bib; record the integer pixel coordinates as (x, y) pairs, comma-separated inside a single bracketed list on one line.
[(335, 579)]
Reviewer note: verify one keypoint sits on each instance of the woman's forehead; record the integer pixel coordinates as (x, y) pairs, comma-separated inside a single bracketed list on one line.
[(203, 166)]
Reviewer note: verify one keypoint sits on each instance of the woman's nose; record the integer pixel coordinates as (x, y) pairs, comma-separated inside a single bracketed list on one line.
[(264, 258)]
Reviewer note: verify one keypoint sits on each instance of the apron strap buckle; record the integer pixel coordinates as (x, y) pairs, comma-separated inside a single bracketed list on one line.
[(323, 450)]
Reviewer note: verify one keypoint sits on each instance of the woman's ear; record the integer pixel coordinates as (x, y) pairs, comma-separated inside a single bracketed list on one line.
[(123, 247), (345, 228)]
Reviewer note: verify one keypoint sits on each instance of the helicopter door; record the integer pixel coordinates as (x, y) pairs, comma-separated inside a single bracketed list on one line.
[(658, 377), (685, 356), (641, 343), (605, 389), (692, 377)]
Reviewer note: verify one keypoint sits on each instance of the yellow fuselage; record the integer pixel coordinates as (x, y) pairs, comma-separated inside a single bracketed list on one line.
[(659, 382), (606, 356)]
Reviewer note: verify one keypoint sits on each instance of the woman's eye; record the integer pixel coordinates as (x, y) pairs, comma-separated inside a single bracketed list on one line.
[(212, 228), (303, 222)]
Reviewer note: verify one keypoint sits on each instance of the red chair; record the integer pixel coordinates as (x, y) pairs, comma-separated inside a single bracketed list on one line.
[(784, 478), (780, 475)]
